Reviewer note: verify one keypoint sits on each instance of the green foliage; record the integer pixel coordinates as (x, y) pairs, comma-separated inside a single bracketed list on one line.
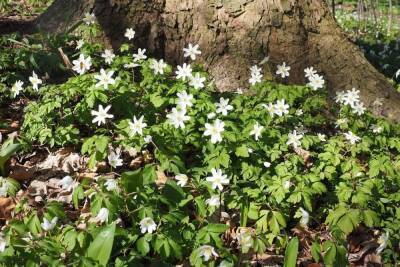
[(291, 253), (7, 150), (272, 186)]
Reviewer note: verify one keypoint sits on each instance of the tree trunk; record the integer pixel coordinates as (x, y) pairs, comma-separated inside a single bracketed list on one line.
[(234, 35)]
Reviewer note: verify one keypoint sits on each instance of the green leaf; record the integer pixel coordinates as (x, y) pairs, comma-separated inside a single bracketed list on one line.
[(142, 246), (156, 100), (134, 180), (242, 151), (291, 253), (244, 213), (217, 228), (371, 218), (101, 247), (172, 193), (5, 154), (315, 251), (330, 253)]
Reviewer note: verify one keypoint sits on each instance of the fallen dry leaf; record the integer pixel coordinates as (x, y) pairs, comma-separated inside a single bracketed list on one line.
[(161, 178), (6, 208), (22, 173)]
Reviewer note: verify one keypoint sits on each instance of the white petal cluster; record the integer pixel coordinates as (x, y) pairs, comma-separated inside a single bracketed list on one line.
[(255, 75), (294, 139), (101, 115), (147, 225), (207, 252), (223, 106), (283, 70), (82, 64), (218, 179), (215, 130), (351, 137), (352, 99), (315, 81)]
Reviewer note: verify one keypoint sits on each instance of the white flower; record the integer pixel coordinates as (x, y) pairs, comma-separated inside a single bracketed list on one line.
[(79, 44), (376, 128), (131, 65), (255, 69), (316, 82), (140, 55), (223, 106), (352, 138), (66, 183), (245, 238), (211, 115), (358, 108), (299, 112), (3, 190), (239, 91), (217, 179), (281, 108), (35, 81), (351, 97), (191, 51), (397, 73), (111, 184), (90, 18), (255, 78), (184, 100), (287, 184), (383, 241), (257, 129), (148, 138), (82, 64), (182, 179), (102, 216), (305, 217), (4, 187), (130, 33), (309, 72), (321, 137), (184, 72), (207, 252), (256, 75), (340, 96), (294, 139), (214, 201), (178, 117), (101, 115), (137, 125), (270, 108), (3, 243), (108, 56), (197, 81), (105, 78), (267, 164), (147, 225), (17, 88), (114, 159), (49, 225), (215, 130), (283, 70), (158, 66)]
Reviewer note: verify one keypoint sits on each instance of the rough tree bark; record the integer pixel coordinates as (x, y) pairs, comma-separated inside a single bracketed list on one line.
[(234, 35)]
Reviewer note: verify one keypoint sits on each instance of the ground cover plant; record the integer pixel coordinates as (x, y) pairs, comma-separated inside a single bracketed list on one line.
[(185, 174)]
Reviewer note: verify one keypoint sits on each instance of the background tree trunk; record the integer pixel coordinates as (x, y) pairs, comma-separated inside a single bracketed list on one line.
[(234, 35)]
